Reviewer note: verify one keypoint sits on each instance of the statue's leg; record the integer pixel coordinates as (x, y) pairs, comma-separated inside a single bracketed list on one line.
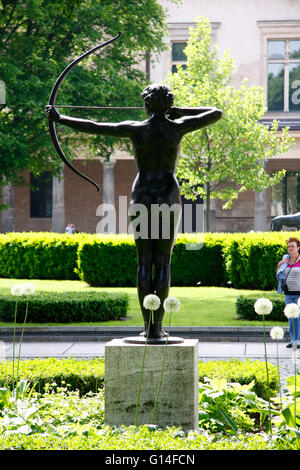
[(162, 253), (144, 276), (162, 278)]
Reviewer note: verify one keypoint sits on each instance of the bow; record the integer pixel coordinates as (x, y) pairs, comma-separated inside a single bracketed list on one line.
[(52, 100)]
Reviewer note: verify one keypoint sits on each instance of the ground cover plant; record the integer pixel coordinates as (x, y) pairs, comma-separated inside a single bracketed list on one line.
[(237, 405), (61, 406)]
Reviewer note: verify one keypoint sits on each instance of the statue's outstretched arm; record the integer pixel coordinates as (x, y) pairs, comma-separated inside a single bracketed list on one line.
[(121, 129)]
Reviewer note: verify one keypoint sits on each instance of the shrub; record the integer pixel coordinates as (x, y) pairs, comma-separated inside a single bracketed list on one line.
[(102, 259), (245, 307), (88, 375), (39, 255), (83, 375), (191, 266), (243, 372), (107, 260), (251, 259), (66, 307), (245, 260)]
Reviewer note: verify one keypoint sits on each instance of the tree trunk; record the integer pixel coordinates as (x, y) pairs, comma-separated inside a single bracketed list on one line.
[(207, 215)]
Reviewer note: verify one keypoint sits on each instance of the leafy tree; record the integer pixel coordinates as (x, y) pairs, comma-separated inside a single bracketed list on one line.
[(38, 38), (224, 159)]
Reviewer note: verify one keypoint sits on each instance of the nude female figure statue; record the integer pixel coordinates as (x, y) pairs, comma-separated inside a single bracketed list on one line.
[(156, 146)]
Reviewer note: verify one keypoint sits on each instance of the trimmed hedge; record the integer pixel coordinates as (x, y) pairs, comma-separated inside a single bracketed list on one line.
[(247, 261), (88, 375), (66, 307), (39, 255), (83, 375), (245, 307), (107, 260), (251, 259), (111, 260)]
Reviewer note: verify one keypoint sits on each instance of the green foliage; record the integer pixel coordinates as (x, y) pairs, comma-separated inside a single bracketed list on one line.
[(65, 307), (233, 150), (129, 438), (37, 41), (243, 372), (9, 397), (251, 259), (245, 260), (66, 410), (245, 307), (88, 375), (85, 376), (229, 407), (107, 260), (39, 255), (191, 266), (101, 260)]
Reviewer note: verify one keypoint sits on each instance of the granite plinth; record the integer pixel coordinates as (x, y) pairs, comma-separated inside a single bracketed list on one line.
[(178, 401)]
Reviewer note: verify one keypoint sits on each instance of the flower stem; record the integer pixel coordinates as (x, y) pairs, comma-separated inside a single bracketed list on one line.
[(14, 343), (278, 369), (141, 377), (267, 371), (20, 345), (162, 371), (294, 348)]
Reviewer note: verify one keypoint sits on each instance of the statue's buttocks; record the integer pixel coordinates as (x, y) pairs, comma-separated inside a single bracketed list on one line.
[(155, 187)]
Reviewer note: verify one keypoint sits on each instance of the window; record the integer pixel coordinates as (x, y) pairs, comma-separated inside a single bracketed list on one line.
[(41, 195), (285, 198), (178, 56), (284, 75), (191, 215)]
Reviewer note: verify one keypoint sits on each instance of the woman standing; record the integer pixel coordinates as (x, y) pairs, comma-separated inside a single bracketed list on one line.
[(289, 266)]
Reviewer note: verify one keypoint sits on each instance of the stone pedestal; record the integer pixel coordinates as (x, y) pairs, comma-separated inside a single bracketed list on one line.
[(178, 401)]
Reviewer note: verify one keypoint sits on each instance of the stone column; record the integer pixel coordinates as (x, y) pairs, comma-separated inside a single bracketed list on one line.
[(8, 215), (108, 200), (58, 203), (260, 211)]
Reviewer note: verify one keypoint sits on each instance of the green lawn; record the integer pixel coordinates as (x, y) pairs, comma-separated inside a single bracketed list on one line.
[(200, 306)]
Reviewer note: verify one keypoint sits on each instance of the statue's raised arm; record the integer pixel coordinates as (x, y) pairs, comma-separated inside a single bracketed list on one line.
[(192, 119)]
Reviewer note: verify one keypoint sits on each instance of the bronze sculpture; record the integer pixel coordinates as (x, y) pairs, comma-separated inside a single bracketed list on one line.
[(289, 220), (156, 147)]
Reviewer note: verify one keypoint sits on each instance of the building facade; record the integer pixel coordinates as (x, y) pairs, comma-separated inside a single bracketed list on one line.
[(264, 40)]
